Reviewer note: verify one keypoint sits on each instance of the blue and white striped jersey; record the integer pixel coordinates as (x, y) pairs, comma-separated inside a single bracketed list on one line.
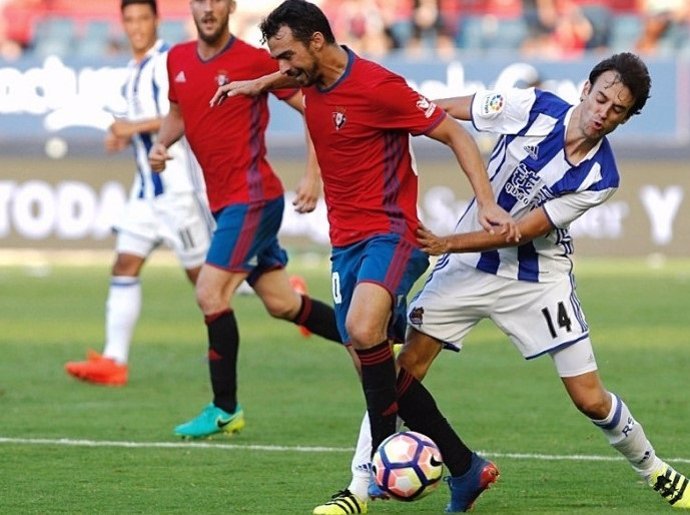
[(146, 92), (528, 168)]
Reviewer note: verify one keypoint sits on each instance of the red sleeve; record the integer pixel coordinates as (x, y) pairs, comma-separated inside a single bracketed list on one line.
[(398, 106)]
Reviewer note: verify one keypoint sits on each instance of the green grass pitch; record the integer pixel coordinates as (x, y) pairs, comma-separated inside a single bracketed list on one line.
[(67, 447)]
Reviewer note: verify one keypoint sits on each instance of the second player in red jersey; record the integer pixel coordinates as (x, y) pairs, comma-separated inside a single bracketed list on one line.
[(232, 154), (246, 198)]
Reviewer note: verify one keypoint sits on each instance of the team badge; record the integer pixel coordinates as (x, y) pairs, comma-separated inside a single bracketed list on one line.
[(222, 78), (339, 119), (417, 316)]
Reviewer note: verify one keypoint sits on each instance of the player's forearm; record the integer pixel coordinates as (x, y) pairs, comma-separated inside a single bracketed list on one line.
[(479, 241), (457, 107), (171, 129), (276, 80), (470, 159), (533, 225), (147, 126)]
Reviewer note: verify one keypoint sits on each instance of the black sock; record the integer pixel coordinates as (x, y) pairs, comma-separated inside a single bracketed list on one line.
[(319, 318), (420, 413), (223, 344), (378, 382)]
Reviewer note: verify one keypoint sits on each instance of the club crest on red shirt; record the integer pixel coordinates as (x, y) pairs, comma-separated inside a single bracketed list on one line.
[(222, 78), (339, 119)]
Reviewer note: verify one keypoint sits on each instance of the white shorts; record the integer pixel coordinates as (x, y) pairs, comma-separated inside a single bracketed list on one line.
[(538, 317), (182, 221)]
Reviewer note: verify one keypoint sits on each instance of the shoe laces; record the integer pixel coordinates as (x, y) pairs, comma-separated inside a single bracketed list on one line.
[(671, 485), (343, 493)]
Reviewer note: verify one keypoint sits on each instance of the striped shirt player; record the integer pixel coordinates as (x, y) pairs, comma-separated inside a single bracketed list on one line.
[(550, 165), (168, 207), (528, 169)]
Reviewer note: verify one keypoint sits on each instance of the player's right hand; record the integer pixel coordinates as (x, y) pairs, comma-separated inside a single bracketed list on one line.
[(114, 143), (158, 155)]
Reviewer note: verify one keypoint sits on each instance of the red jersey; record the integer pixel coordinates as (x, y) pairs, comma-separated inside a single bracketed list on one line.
[(228, 140), (361, 129)]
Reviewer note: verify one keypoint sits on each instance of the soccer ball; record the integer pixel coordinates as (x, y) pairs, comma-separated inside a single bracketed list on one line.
[(407, 465)]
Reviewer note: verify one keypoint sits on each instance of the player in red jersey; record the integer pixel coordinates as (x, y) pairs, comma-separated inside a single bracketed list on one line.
[(245, 196), (360, 117)]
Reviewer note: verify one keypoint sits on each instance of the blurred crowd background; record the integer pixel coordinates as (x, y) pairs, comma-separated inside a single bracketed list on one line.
[(558, 29)]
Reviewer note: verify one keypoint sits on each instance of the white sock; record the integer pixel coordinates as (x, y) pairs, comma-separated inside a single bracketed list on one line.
[(361, 460), (122, 312), (626, 435)]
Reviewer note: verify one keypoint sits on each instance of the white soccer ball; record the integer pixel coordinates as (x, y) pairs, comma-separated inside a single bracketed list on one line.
[(407, 465)]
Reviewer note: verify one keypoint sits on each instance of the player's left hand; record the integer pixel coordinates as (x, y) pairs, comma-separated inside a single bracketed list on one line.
[(307, 194), (430, 243), (494, 219), (250, 88)]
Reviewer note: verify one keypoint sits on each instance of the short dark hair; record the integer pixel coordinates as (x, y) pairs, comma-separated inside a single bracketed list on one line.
[(152, 3), (302, 17), (633, 74)]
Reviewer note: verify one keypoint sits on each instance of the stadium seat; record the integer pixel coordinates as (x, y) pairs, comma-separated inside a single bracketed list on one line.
[(95, 39), (470, 33), (625, 30), (505, 34), (54, 36), (173, 31)]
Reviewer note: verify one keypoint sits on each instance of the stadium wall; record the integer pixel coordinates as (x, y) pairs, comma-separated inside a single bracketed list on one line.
[(59, 191)]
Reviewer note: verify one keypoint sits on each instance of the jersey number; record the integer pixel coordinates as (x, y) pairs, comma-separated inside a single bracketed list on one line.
[(335, 284), (563, 319)]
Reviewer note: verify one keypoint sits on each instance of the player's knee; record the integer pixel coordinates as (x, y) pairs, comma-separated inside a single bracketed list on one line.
[(127, 265), (209, 299), (362, 333)]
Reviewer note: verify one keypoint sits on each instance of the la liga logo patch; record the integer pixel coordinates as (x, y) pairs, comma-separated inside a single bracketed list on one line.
[(493, 104)]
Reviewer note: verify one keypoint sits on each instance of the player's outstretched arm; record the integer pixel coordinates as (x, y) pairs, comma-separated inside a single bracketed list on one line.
[(457, 107), (491, 216), (252, 87), (534, 224)]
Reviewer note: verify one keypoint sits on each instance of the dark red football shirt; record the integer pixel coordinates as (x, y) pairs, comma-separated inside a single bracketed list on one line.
[(361, 129), (228, 140)]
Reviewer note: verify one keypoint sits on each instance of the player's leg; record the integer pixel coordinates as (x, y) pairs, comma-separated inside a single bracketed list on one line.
[(122, 309), (470, 474), (137, 237), (282, 300), (228, 262), (123, 306), (452, 302), (224, 415), (388, 267), (610, 413)]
